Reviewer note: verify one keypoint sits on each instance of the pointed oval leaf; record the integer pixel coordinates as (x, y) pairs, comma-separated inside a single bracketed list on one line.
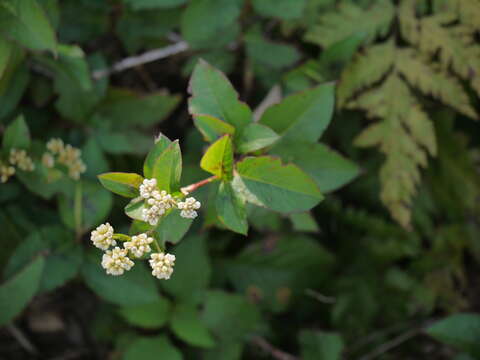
[(124, 184), (211, 127), (17, 135), (303, 116), (167, 168), (187, 325), (231, 209), (218, 159), (213, 94), (161, 144), (283, 188), (255, 137)]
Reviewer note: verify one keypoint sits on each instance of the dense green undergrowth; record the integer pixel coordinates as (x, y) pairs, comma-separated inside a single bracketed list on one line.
[(306, 245)]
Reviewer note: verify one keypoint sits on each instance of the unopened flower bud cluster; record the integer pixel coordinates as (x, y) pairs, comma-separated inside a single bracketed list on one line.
[(66, 155), (157, 202), (18, 158), (118, 260)]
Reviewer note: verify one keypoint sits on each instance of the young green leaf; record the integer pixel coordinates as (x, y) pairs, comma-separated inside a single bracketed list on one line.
[(172, 227), (231, 209), (218, 159), (303, 116), (304, 222), (255, 137), (17, 135), (212, 94), (329, 169), (124, 184), (17, 292), (167, 168), (149, 348), (134, 209), (161, 144), (211, 127), (267, 182), (186, 324)]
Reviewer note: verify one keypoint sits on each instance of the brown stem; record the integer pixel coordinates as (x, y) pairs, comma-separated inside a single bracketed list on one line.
[(270, 349), (192, 187)]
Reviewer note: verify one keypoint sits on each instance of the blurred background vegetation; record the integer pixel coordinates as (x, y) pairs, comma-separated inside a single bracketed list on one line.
[(383, 268)]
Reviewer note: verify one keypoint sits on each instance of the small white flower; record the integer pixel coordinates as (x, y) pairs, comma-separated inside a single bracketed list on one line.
[(5, 172), (116, 261), (152, 214), (48, 160), (55, 145), (76, 168), (188, 208), (102, 236), (139, 245), (162, 265), (148, 187), (21, 159)]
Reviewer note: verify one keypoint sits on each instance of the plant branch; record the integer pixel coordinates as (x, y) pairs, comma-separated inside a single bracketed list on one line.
[(192, 187), (270, 349), (146, 57), (22, 339)]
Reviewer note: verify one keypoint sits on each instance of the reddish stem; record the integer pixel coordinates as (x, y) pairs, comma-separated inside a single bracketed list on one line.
[(192, 187)]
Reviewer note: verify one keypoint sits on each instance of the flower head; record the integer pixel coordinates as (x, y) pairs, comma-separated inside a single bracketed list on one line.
[(162, 265), (5, 172), (21, 159), (139, 245), (116, 261), (148, 187), (48, 160), (188, 208), (102, 236), (152, 214), (55, 145)]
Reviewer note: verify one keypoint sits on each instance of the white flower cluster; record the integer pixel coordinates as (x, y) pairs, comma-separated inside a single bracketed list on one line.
[(66, 155), (102, 236), (21, 159), (5, 172), (159, 201), (139, 245), (162, 265), (188, 208), (117, 260)]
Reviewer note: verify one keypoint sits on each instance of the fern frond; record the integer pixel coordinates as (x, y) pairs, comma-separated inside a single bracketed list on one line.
[(461, 56), (439, 85), (365, 70), (349, 19), (405, 135)]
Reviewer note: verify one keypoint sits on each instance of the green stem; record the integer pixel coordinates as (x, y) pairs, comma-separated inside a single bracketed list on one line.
[(159, 249), (121, 237), (77, 211)]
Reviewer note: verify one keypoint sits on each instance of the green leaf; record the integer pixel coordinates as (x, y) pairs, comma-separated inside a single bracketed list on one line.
[(134, 287), (5, 51), (304, 222), (13, 83), (124, 184), (192, 270), (218, 160), (63, 256), (205, 22), (320, 345), (302, 117), (28, 25), (161, 144), (17, 135), (461, 331), (96, 203), (148, 316), (126, 109), (269, 183), (150, 348), (229, 317), (134, 208), (186, 324), (231, 209), (212, 94), (172, 227), (211, 127), (283, 9), (255, 137), (329, 169), (17, 291), (94, 158), (153, 4), (167, 168)]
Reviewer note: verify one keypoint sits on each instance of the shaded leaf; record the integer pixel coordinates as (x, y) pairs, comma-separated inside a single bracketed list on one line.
[(124, 184)]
